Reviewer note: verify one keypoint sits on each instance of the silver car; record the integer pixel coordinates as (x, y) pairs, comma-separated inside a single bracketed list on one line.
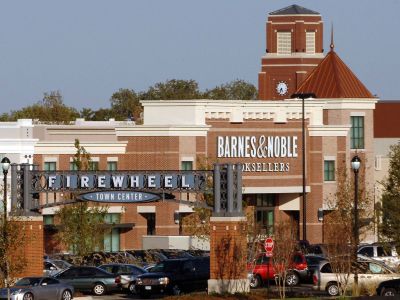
[(38, 288), (53, 266), (370, 274), (127, 272)]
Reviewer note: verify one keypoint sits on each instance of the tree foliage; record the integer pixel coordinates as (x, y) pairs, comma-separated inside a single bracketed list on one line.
[(13, 238), (339, 222), (125, 103), (173, 89), (82, 227), (50, 109), (285, 242), (389, 228), (234, 90)]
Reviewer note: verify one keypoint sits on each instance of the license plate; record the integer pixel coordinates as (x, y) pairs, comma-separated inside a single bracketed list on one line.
[(147, 287)]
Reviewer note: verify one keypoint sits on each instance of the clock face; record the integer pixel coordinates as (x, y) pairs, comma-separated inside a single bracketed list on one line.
[(282, 88)]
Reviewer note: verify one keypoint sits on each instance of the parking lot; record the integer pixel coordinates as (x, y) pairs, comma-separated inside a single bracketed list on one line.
[(301, 290)]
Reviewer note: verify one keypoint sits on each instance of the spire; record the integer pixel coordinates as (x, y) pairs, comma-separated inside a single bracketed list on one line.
[(332, 45)]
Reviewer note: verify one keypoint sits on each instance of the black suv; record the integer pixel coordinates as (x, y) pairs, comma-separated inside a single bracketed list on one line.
[(174, 276)]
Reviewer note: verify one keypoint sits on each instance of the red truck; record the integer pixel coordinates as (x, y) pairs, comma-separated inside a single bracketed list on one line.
[(262, 269)]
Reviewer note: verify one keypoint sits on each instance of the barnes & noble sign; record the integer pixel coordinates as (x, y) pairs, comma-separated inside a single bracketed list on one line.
[(259, 148)]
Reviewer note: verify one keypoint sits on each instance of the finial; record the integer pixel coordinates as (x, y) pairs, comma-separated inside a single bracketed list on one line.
[(332, 45)]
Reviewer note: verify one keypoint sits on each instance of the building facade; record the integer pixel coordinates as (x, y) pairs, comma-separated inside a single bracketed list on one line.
[(265, 137)]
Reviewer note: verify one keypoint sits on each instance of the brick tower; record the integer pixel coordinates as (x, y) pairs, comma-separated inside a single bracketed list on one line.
[(294, 37)]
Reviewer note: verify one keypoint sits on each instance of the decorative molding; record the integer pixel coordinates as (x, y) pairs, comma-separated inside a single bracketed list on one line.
[(69, 148)]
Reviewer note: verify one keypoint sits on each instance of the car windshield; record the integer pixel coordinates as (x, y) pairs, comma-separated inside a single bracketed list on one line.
[(165, 266), (61, 264), (28, 282)]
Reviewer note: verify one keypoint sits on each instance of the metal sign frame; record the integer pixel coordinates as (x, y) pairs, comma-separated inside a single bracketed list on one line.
[(224, 182)]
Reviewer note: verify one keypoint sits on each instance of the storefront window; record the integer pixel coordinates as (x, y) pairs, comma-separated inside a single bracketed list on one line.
[(265, 200), (151, 223), (265, 221), (111, 240), (111, 237), (48, 219)]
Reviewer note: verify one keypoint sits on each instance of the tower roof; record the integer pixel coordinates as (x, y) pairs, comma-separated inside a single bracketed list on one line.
[(293, 10), (333, 79)]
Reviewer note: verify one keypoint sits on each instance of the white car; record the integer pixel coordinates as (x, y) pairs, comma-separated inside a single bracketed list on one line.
[(370, 274), (378, 252)]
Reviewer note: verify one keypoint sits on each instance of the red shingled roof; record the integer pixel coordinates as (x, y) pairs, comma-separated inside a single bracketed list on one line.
[(333, 79)]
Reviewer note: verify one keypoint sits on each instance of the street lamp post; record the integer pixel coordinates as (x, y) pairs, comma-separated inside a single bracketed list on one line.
[(303, 147), (355, 165), (5, 164)]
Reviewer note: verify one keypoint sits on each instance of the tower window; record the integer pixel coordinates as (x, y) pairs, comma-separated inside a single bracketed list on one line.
[(310, 42), (284, 42), (357, 132), (329, 170)]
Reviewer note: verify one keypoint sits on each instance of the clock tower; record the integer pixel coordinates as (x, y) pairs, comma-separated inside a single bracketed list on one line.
[(294, 49)]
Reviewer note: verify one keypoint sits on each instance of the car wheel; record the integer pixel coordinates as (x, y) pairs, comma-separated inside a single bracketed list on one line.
[(66, 295), (28, 296), (131, 288), (333, 289), (388, 292), (292, 279), (176, 291), (99, 289), (255, 281)]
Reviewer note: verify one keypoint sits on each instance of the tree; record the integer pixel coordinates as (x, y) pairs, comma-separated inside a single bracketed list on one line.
[(173, 89), (81, 227), (234, 90), (339, 222), (51, 109), (389, 228), (125, 104), (285, 242), (13, 238)]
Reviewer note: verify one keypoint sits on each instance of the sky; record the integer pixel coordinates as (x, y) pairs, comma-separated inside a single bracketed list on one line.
[(89, 49)]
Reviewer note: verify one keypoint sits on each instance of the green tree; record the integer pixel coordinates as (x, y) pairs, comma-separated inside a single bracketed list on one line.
[(125, 104), (339, 222), (234, 90), (50, 109), (82, 227), (389, 228), (173, 89)]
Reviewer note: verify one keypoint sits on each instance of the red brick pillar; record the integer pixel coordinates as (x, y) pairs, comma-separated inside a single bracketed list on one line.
[(33, 249), (228, 255)]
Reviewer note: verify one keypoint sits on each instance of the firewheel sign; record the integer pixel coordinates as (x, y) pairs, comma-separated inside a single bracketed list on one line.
[(269, 246)]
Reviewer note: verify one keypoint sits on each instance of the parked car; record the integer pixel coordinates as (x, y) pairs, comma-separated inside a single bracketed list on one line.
[(53, 266), (263, 269), (370, 272), (173, 276), (127, 272), (39, 288), (388, 255), (91, 279), (389, 288)]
